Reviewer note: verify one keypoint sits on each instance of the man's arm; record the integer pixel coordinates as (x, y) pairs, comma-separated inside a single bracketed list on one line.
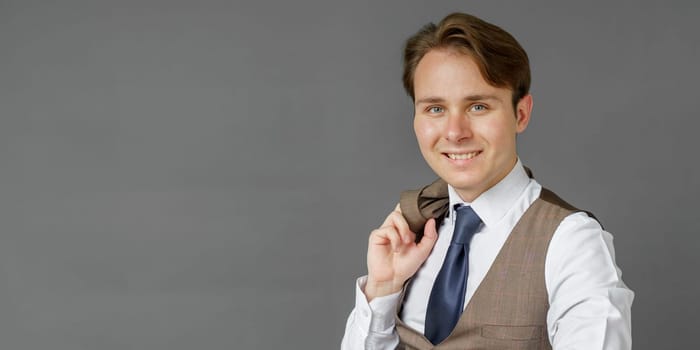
[(392, 258), (590, 306), (371, 324)]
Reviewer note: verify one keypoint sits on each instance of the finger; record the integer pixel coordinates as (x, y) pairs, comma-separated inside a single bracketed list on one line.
[(399, 222), (410, 237), (386, 236), (396, 220), (429, 236), (395, 240), (379, 237)]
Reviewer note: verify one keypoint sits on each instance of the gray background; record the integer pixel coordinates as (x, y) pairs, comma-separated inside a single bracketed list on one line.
[(204, 174)]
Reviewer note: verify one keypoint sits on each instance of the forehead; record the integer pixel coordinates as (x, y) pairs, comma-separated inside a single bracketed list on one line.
[(451, 74)]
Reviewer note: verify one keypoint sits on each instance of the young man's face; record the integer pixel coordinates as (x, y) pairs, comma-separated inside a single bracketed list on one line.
[(465, 127)]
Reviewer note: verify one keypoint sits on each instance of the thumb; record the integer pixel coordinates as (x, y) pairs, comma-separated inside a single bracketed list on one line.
[(429, 236)]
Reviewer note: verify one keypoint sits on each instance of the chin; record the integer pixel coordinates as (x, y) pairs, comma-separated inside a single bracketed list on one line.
[(461, 183)]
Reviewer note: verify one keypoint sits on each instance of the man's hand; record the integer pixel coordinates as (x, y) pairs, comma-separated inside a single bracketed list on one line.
[(393, 256)]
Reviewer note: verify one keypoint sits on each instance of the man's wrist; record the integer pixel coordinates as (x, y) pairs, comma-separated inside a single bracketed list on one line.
[(375, 289)]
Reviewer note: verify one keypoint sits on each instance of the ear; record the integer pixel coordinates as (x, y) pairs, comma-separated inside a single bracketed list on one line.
[(522, 113)]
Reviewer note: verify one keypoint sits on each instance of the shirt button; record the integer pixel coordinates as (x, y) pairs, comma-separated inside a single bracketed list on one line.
[(365, 313)]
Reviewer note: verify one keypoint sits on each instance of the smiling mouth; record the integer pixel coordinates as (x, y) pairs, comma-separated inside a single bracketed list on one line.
[(462, 156)]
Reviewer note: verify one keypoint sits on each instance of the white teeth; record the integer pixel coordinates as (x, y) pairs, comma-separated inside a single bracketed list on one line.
[(462, 156)]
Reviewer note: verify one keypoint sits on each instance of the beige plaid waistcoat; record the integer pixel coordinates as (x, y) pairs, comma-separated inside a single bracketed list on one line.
[(509, 308)]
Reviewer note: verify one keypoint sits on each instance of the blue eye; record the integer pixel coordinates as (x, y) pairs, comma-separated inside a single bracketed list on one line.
[(435, 109), (478, 108)]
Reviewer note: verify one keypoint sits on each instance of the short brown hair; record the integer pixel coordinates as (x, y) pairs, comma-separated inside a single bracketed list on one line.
[(500, 58)]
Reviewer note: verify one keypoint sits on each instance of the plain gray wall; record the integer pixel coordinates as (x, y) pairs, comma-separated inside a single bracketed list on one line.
[(204, 174)]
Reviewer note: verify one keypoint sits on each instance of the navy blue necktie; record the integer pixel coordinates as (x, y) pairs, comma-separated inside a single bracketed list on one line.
[(447, 297)]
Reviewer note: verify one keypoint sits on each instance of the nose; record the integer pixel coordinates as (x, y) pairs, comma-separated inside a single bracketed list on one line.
[(458, 127)]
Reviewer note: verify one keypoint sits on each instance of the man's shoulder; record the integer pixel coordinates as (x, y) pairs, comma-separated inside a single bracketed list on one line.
[(551, 198)]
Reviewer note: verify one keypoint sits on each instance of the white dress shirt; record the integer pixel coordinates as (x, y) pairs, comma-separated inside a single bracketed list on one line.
[(589, 305)]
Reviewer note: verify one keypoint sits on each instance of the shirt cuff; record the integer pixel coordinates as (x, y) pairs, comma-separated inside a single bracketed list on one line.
[(377, 315)]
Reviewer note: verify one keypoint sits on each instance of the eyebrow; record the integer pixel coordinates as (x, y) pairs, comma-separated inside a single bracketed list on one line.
[(470, 98)]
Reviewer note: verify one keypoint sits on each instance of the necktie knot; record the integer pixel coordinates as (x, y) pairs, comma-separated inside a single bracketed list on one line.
[(466, 224)]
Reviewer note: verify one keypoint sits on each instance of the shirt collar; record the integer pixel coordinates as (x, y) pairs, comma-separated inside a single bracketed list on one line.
[(493, 204)]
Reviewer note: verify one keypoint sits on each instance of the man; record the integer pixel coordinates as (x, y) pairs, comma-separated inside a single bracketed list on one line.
[(484, 258)]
